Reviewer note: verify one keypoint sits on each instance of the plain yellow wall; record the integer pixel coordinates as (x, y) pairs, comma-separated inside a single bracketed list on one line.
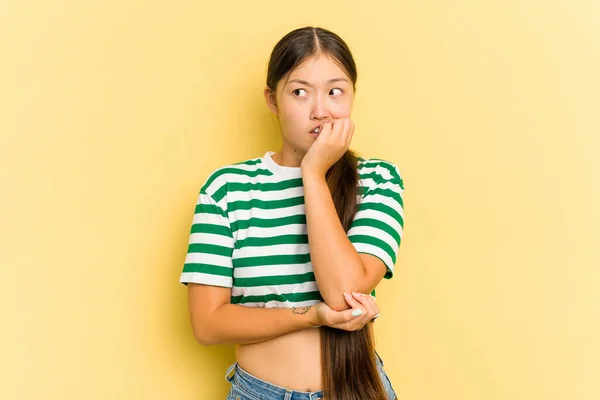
[(113, 112)]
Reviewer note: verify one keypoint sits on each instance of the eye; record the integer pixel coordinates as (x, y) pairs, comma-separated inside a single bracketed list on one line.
[(296, 90), (341, 91)]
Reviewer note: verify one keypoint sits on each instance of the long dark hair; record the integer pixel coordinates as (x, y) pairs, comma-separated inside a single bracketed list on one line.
[(348, 357)]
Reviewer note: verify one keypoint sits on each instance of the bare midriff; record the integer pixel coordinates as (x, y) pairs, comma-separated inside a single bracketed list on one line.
[(292, 361)]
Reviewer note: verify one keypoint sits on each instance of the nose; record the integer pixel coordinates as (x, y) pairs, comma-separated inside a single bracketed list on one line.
[(320, 109)]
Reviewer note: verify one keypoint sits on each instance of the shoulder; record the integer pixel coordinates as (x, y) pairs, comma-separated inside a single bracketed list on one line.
[(242, 171), (379, 171)]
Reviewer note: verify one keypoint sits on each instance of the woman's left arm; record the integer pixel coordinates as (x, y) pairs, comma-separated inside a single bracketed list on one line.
[(337, 266), (341, 264)]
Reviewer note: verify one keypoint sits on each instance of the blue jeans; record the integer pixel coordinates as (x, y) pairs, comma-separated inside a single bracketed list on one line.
[(248, 387)]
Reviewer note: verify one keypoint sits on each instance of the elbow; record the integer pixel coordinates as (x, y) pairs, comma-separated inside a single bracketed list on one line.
[(335, 298), (336, 301), (202, 334), (203, 328), (339, 306), (203, 339), (205, 342)]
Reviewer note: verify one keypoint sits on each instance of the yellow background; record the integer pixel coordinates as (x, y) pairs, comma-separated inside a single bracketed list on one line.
[(113, 112)]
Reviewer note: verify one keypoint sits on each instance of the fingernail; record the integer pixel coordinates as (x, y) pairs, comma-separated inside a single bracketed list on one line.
[(345, 294), (356, 313)]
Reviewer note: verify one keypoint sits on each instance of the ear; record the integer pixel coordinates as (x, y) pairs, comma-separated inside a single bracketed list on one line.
[(271, 100)]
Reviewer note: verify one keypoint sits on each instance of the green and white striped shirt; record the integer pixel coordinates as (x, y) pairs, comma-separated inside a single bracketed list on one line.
[(249, 230)]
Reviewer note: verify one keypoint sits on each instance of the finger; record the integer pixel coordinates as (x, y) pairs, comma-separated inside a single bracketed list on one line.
[(352, 302), (337, 128), (345, 131), (368, 302), (346, 316), (351, 322), (373, 302), (351, 133), (326, 129), (355, 324)]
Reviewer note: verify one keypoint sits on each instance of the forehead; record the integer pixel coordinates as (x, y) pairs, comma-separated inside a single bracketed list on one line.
[(318, 70)]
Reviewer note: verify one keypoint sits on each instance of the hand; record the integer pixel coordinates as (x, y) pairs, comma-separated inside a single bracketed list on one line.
[(328, 147), (344, 319)]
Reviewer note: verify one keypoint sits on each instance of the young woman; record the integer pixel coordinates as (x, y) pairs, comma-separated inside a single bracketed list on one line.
[(286, 249)]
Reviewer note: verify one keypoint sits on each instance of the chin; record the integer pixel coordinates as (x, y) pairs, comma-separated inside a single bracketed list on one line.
[(303, 148)]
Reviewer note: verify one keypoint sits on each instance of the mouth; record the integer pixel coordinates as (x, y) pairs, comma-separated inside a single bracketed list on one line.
[(316, 129)]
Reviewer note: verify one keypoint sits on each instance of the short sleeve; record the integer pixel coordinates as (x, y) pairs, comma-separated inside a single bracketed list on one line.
[(379, 220), (208, 259)]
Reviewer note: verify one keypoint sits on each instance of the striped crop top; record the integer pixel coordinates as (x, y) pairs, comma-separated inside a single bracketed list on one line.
[(249, 230)]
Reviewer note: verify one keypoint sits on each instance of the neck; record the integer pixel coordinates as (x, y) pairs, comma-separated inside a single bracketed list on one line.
[(288, 158)]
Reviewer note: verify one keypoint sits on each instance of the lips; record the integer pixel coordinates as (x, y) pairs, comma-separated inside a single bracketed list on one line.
[(317, 126)]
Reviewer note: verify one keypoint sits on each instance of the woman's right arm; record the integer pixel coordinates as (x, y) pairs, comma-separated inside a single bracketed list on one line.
[(216, 321), (208, 273)]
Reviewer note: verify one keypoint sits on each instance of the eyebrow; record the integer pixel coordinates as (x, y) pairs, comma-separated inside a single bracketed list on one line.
[(309, 84)]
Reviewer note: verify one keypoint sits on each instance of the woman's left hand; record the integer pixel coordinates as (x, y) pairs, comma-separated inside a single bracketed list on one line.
[(329, 146)]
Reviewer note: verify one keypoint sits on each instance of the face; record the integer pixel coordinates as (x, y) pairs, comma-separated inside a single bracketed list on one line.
[(318, 90)]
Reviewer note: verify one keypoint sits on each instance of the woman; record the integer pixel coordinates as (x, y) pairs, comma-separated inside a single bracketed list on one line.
[(268, 230)]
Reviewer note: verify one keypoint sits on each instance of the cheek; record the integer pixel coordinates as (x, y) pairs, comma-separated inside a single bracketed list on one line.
[(340, 109), (345, 109), (293, 116)]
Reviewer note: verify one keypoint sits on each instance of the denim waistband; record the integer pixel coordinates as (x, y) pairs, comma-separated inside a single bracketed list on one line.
[(244, 380), (247, 381)]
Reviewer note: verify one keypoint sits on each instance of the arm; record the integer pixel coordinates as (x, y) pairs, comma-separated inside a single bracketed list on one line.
[(208, 273), (216, 321), (337, 266)]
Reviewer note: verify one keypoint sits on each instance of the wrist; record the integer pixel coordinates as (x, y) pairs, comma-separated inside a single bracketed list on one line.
[(312, 176), (313, 316)]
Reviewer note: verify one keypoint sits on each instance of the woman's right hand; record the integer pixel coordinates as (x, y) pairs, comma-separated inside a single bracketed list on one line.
[(344, 319)]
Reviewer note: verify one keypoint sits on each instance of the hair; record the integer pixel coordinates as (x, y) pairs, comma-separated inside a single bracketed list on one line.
[(349, 370)]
